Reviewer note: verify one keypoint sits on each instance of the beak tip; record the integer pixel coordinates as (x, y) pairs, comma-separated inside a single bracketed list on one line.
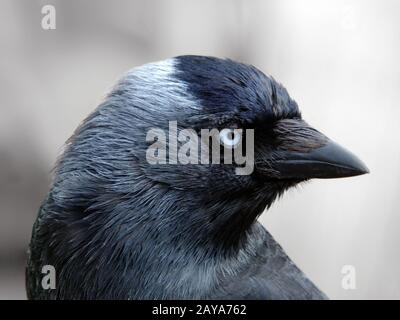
[(363, 169), (355, 165)]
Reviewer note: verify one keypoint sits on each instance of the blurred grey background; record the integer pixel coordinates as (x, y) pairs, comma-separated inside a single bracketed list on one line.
[(338, 59)]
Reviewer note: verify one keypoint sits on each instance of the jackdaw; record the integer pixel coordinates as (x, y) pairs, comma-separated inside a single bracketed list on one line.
[(117, 226)]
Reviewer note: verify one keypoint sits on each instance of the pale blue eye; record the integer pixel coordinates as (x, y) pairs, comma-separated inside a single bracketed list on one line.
[(229, 138)]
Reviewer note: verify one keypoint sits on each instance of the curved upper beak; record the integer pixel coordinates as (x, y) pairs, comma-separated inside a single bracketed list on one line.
[(328, 161)]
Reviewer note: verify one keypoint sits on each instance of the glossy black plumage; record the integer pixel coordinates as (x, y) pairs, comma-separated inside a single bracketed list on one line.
[(116, 227)]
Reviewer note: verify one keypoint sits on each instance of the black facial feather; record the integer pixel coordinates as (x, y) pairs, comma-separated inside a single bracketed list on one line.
[(235, 91)]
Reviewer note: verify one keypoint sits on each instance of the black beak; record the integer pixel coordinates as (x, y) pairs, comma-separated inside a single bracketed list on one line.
[(328, 161), (305, 153)]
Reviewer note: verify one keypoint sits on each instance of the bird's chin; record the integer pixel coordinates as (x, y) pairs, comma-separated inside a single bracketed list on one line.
[(267, 177), (273, 188), (284, 184)]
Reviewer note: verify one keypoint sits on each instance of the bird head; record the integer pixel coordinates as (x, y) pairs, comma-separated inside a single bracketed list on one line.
[(106, 165), (282, 148)]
